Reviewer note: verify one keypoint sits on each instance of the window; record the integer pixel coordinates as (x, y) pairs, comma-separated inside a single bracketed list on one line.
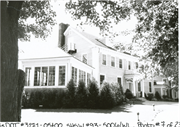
[(28, 72), (71, 44), (136, 64), (51, 76), (129, 65), (119, 80), (112, 61), (62, 76), (164, 80), (84, 58), (104, 59), (120, 63), (155, 82), (139, 86), (150, 87), (102, 77), (37, 76), (74, 74), (88, 78), (82, 76), (44, 76)]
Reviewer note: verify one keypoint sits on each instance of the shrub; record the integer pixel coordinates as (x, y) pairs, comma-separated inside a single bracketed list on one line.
[(93, 95), (145, 96), (118, 94), (69, 99), (157, 95), (48, 97), (128, 94), (106, 97), (165, 96), (59, 97), (81, 95), (150, 96)]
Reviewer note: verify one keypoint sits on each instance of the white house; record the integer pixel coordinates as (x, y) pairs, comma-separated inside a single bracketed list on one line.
[(81, 56)]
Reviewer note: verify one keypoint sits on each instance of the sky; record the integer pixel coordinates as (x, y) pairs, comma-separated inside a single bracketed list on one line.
[(63, 17)]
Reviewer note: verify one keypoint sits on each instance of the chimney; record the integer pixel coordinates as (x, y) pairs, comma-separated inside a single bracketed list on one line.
[(62, 29)]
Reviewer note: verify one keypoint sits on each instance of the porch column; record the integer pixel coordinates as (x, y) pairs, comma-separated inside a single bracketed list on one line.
[(142, 88), (134, 86)]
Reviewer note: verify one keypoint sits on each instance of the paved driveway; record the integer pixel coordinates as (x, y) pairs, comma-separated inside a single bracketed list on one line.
[(124, 114)]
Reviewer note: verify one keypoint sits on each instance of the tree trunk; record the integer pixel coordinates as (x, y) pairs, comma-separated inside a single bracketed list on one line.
[(9, 60)]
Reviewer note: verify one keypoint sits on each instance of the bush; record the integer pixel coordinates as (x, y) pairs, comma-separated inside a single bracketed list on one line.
[(128, 94), (93, 95), (118, 94), (150, 96), (106, 97), (47, 97), (165, 96), (81, 95), (157, 95), (69, 99)]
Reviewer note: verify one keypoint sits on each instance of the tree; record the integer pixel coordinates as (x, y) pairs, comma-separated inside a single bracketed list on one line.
[(13, 26), (156, 32), (157, 35)]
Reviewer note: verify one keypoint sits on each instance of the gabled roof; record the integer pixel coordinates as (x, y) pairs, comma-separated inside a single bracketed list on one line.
[(42, 50), (91, 38), (95, 40)]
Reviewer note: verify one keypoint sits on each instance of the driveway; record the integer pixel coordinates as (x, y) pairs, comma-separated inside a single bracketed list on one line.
[(122, 115)]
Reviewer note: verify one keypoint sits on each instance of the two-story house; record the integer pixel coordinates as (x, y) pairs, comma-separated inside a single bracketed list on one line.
[(81, 56)]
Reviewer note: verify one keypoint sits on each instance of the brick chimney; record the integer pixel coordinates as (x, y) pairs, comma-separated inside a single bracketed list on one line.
[(62, 29)]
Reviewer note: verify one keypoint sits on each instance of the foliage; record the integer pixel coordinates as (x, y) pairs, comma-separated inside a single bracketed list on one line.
[(93, 95), (165, 96), (41, 17), (156, 32), (118, 93), (69, 99), (157, 95), (47, 97), (81, 95), (106, 97), (111, 11), (157, 35), (150, 96), (128, 94)]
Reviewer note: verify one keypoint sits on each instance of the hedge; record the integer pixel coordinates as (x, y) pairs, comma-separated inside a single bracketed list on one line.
[(74, 97), (43, 97)]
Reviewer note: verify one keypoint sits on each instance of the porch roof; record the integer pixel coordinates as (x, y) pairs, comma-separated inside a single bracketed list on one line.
[(29, 50)]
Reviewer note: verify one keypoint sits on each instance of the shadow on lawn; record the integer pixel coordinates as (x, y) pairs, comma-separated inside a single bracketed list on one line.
[(121, 108)]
